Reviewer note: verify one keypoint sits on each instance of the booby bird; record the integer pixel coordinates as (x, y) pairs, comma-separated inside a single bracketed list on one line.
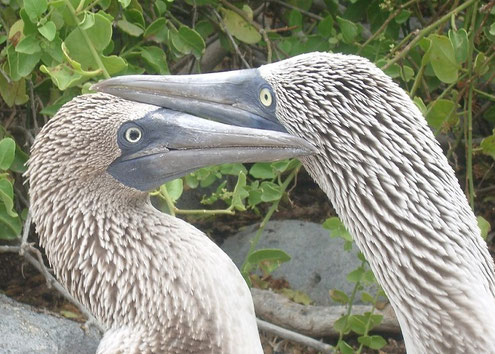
[(155, 282), (381, 168)]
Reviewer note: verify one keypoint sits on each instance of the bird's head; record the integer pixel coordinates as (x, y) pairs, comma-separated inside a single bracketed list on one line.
[(101, 138), (345, 99)]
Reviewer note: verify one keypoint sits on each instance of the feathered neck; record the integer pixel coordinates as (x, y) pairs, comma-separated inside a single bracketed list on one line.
[(151, 279), (392, 186)]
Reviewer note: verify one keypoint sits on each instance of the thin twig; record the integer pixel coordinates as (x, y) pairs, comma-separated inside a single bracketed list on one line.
[(294, 336)]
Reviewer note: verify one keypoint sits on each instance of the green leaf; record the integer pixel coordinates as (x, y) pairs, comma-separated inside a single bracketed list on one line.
[(357, 324), (283, 165), (443, 59), (28, 26), (174, 189), (135, 16), (100, 35), (369, 277), (342, 325), (20, 64), (65, 76), (187, 40), (393, 70), (420, 104), (484, 226), (48, 30), (425, 44), (115, 64), (345, 348), (130, 28), (488, 145), (254, 194), (270, 192), (20, 159), (439, 112), (356, 275), (459, 40), (88, 21), (297, 296), (349, 30), (191, 181), (492, 29), (204, 28), (160, 6), (240, 193), (268, 254), (262, 170), (157, 31), (367, 298), (156, 58), (295, 20), (374, 342), (13, 92), (325, 27), (124, 3), (10, 227), (406, 73), (402, 16), (239, 28), (337, 228), (479, 64), (7, 153), (35, 8), (339, 296), (7, 196), (28, 45), (232, 169)]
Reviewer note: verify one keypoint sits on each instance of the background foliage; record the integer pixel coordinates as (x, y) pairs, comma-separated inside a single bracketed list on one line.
[(441, 52)]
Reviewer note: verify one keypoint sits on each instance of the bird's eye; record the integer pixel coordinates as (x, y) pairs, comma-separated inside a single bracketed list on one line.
[(266, 97), (133, 135)]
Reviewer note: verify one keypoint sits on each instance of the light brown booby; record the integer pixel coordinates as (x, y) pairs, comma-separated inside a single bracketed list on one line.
[(156, 283), (383, 171)]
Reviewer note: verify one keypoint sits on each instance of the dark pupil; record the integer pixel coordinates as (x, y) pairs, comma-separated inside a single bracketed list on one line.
[(266, 96), (134, 135)]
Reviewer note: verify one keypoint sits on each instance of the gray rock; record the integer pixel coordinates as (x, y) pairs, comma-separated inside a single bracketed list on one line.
[(318, 263), (23, 331)]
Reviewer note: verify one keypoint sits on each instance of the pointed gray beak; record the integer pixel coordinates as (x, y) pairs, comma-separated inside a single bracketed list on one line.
[(167, 144), (241, 98)]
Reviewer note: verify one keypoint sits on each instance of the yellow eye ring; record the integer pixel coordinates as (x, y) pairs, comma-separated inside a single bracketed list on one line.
[(133, 135), (266, 97)]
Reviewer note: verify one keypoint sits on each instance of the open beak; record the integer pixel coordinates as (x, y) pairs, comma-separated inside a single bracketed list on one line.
[(172, 144), (229, 97)]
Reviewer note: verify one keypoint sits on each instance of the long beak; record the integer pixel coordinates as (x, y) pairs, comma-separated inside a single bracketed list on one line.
[(172, 144), (228, 97)]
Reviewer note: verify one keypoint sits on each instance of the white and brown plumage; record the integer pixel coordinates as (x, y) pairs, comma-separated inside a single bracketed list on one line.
[(156, 283), (382, 169)]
